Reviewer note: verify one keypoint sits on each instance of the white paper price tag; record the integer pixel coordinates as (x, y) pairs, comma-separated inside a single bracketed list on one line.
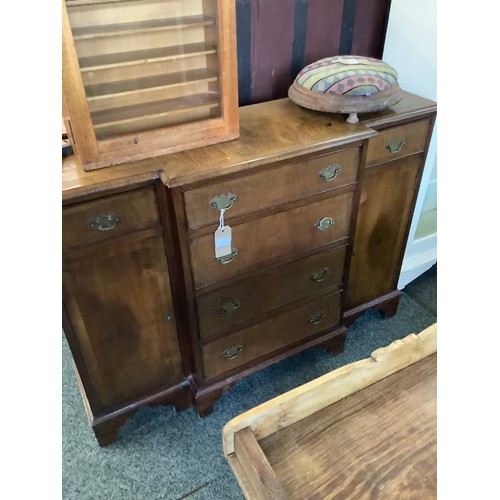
[(223, 241)]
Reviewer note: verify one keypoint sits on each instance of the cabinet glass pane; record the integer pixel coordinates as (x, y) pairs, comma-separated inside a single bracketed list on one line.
[(147, 64)]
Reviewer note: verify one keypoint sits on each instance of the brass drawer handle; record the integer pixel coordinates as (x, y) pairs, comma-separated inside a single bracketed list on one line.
[(223, 201), (226, 259), (396, 145), (317, 319), (320, 275), (325, 223), (104, 222), (330, 173), (232, 352), (229, 306)]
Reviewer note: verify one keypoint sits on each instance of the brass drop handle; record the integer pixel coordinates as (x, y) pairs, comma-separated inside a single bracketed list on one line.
[(325, 223), (232, 352), (320, 275), (317, 319), (227, 259), (229, 306), (330, 173), (223, 201), (104, 222), (395, 145)]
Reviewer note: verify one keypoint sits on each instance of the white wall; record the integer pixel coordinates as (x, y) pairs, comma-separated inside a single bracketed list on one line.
[(410, 47)]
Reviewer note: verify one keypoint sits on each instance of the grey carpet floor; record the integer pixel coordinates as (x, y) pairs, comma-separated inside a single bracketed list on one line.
[(161, 454)]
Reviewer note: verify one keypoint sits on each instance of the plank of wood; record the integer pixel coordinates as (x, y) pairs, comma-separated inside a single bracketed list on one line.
[(377, 443), (88, 32), (303, 401), (147, 84), (138, 112), (144, 56), (256, 467)]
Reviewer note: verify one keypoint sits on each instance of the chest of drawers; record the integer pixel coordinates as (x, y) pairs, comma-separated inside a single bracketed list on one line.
[(319, 212), (282, 286)]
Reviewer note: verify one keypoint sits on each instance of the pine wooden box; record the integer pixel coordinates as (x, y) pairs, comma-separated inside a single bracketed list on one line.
[(143, 78), (365, 430)]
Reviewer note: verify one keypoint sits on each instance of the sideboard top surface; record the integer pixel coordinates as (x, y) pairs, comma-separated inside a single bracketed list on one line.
[(269, 132)]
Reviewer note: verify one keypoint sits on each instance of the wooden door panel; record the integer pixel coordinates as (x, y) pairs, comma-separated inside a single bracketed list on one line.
[(386, 206), (118, 296)]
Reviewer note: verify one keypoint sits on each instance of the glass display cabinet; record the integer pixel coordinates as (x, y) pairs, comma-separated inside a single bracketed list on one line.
[(142, 78)]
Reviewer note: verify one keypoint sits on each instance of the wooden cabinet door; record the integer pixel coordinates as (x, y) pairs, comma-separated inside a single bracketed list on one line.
[(142, 78), (123, 339), (386, 206)]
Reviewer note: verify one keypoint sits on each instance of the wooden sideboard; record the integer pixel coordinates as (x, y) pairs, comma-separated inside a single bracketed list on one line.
[(319, 210)]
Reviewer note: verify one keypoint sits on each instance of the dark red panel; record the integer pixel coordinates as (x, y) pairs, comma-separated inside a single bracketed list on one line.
[(324, 23), (271, 51), (370, 25)]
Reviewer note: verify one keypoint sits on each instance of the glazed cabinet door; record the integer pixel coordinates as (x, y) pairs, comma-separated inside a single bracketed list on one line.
[(148, 77), (385, 209), (122, 333)]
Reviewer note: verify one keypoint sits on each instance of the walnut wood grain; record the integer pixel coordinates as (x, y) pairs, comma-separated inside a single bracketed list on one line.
[(117, 296), (289, 182), (299, 322), (268, 239), (387, 200), (117, 285), (269, 132), (408, 139), (377, 443), (226, 308), (134, 210)]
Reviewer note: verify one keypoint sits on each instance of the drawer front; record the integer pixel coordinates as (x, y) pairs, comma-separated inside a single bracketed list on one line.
[(287, 183), (224, 309), (99, 220), (270, 238), (245, 346), (397, 142)]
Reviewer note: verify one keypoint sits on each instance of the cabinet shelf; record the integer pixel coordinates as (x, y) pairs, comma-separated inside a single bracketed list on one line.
[(89, 32), (142, 112), (147, 56), (147, 84)]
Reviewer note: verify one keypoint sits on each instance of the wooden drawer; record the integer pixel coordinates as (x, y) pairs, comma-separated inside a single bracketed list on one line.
[(396, 142), (224, 309), (273, 334), (270, 238), (98, 220), (273, 187)]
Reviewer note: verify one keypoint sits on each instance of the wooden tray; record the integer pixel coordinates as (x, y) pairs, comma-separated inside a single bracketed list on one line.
[(365, 430)]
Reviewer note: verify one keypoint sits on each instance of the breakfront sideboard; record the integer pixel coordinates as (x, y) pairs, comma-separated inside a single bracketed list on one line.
[(319, 212)]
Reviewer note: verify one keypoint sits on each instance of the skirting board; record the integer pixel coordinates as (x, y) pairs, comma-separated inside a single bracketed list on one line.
[(416, 264)]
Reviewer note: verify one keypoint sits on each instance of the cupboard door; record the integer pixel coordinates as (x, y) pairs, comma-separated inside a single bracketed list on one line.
[(386, 206), (119, 300)]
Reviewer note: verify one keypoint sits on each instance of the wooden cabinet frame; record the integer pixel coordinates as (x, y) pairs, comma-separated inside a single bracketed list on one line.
[(97, 153), (279, 140)]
